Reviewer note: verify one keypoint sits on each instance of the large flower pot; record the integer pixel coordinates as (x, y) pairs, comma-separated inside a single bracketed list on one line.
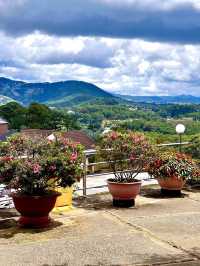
[(35, 210), (124, 194), (171, 185)]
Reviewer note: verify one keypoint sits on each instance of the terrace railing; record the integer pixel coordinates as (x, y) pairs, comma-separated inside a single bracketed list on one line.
[(92, 152)]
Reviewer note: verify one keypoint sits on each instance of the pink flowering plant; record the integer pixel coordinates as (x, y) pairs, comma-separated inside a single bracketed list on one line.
[(173, 164), (127, 154), (38, 167)]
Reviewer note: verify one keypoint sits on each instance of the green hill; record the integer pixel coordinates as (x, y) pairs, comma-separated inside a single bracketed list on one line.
[(59, 94), (178, 99)]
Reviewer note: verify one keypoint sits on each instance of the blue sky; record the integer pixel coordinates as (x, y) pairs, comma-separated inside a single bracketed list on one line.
[(149, 47)]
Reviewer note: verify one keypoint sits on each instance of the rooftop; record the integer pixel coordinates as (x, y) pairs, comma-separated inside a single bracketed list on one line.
[(3, 121), (82, 137), (75, 135)]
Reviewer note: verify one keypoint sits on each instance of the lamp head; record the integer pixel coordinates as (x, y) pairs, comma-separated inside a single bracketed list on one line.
[(180, 129)]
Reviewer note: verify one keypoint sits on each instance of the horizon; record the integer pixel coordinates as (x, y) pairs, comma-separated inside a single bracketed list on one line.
[(143, 48), (115, 93)]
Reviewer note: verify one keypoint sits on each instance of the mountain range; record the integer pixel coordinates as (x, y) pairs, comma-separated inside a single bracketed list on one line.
[(58, 94), (179, 99), (72, 92)]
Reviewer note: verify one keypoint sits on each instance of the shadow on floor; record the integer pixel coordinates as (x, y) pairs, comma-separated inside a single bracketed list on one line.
[(8, 213), (100, 201), (156, 193), (12, 228), (192, 188), (103, 201)]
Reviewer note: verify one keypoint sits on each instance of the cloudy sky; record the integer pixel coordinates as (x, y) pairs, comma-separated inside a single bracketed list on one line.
[(148, 47)]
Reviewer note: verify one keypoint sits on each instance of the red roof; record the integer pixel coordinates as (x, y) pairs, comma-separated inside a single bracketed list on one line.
[(75, 135), (36, 133), (80, 136)]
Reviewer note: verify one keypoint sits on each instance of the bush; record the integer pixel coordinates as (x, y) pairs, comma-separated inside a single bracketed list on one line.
[(173, 164), (35, 167), (126, 153), (194, 148)]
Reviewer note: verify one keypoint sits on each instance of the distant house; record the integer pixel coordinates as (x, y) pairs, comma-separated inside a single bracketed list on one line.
[(3, 127), (75, 135), (82, 137), (36, 133)]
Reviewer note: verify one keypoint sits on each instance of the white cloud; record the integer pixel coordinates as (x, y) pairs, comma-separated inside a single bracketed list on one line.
[(135, 67)]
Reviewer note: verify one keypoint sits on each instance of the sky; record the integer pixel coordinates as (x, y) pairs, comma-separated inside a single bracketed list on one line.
[(133, 47)]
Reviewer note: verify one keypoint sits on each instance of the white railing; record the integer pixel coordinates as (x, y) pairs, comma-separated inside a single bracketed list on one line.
[(91, 152), (5, 199)]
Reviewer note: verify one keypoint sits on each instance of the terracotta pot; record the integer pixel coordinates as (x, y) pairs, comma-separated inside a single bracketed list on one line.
[(34, 210), (171, 183), (126, 192)]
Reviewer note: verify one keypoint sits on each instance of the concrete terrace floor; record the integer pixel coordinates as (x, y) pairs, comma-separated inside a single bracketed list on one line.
[(157, 231)]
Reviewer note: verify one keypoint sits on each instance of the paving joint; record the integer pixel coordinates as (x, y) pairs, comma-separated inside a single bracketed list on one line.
[(155, 238), (195, 200), (167, 215), (167, 263)]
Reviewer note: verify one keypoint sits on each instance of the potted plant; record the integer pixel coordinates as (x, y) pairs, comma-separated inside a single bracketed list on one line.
[(172, 170), (193, 149), (34, 169), (127, 155)]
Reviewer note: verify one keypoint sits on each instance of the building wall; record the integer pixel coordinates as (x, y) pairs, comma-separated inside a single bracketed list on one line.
[(3, 129)]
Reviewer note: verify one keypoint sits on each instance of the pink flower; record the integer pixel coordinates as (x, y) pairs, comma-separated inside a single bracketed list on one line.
[(7, 158), (66, 142), (114, 135), (74, 145), (52, 168), (36, 168), (132, 157), (74, 156)]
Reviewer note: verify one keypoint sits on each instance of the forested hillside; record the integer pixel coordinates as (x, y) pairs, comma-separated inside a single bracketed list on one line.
[(157, 121), (59, 94)]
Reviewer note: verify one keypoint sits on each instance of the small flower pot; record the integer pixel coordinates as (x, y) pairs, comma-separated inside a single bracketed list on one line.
[(35, 210), (171, 185), (64, 201), (124, 194)]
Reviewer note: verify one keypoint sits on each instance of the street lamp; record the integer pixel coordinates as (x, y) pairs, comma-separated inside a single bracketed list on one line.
[(180, 130)]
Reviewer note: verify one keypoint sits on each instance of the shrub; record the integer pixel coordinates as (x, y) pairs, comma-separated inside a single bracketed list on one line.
[(126, 153), (173, 164), (36, 167), (194, 148)]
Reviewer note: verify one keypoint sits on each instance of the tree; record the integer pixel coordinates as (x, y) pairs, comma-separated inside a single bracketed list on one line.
[(38, 116), (15, 114)]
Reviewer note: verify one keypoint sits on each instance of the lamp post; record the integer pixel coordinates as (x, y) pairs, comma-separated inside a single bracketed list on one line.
[(180, 130)]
